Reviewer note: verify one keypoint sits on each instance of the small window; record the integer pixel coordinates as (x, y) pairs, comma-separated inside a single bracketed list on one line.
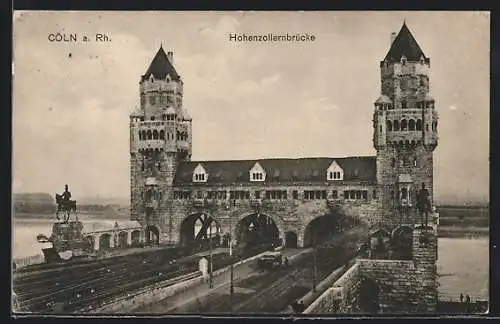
[(295, 194), (152, 100), (404, 105), (335, 194), (374, 194), (257, 194)]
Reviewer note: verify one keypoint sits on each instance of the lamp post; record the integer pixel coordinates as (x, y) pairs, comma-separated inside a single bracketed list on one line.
[(210, 271), (231, 260), (314, 264)]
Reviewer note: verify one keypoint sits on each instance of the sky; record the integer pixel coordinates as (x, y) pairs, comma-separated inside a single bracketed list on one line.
[(72, 100)]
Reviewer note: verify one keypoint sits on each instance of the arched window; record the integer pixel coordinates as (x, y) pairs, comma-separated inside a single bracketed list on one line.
[(152, 118), (178, 136), (144, 135), (150, 135), (404, 124), (380, 128), (396, 125), (419, 125), (163, 117), (140, 135), (427, 126), (411, 125), (155, 134), (162, 134), (389, 126)]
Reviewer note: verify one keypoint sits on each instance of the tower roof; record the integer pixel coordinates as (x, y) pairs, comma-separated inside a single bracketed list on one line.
[(404, 45), (160, 67)]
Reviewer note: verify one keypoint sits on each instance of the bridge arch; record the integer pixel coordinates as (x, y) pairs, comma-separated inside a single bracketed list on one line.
[(196, 228), (104, 241), (152, 235), (135, 238), (321, 228), (256, 228), (122, 239)]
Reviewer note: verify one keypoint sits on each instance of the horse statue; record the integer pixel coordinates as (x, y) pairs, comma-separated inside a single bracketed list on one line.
[(65, 206)]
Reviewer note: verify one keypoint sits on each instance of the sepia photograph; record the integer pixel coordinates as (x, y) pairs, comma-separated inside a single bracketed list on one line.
[(239, 163)]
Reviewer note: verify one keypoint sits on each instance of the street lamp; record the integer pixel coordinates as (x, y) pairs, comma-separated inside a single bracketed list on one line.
[(314, 264), (231, 259), (211, 277)]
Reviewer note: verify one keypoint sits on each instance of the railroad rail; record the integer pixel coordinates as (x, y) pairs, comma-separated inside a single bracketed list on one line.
[(96, 282)]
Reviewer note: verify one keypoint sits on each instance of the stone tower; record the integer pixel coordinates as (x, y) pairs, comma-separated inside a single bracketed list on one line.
[(160, 137), (405, 129)]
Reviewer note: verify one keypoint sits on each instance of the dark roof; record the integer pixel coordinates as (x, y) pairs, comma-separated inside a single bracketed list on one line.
[(160, 67), (280, 170), (404, 44)]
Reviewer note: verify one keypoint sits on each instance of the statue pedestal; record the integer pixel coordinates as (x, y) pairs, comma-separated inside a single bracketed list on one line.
[(64, 234)]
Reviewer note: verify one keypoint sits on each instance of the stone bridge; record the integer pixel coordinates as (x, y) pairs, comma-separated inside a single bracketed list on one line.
[(121, 234), (294, 220)]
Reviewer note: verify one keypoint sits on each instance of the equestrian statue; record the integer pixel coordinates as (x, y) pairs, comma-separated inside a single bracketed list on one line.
[(65, 204)]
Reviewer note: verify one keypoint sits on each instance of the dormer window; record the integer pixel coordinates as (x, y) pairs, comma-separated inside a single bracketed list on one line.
[(199, 177), (334, 172), (200, 174), (403, 60), (257, 173), (334, 175), (151, 78)]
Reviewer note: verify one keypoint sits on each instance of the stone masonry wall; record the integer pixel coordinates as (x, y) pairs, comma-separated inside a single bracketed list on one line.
[(402, 286), (289, 215)]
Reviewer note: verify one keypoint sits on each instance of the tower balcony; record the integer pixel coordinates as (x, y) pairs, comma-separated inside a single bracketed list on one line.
[(150, 144), (145, 125), (397, 136)]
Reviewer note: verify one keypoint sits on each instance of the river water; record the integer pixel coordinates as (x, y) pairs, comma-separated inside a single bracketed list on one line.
[(463, 264)]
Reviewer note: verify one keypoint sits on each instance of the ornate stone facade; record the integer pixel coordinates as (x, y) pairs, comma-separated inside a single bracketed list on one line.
[(167, 189)]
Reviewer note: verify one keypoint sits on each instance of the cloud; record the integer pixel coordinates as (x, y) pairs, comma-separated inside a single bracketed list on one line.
[(452, 107)]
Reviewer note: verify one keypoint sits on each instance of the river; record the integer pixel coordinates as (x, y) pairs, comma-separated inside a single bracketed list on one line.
[(463, 264)]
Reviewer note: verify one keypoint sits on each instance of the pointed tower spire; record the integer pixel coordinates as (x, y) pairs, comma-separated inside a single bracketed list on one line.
[(404, 45), (160, 67)]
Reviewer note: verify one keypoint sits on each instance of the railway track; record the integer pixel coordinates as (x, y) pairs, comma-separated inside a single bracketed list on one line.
[(93, 286)]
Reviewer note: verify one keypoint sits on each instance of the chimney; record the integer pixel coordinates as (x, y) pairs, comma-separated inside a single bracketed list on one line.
[(393, 37), (170, 56)]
